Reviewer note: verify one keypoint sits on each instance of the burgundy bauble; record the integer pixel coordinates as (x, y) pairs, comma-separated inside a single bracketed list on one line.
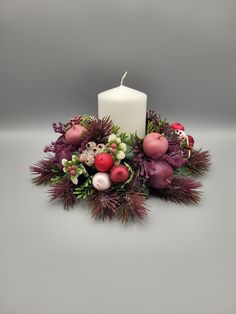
[(73, 135), (190, 140), (119, 173), (103, 162), (161, 176), (177, 126), (155, 144)]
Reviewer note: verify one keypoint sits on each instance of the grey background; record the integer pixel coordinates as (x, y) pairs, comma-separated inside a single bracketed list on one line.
[(55, 56)]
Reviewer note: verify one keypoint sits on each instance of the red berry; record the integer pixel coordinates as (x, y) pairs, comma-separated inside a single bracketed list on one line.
[(119, 174), (190, 140), (113, 146), (103, 162), (177, 126)]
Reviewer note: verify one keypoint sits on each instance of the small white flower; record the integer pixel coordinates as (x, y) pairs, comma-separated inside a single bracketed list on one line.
[(90, 160), (101, 147), (83, 157), (90, 145)]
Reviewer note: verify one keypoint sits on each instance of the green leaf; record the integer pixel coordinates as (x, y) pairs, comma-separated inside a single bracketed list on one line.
[(115, 129), (85, 190)]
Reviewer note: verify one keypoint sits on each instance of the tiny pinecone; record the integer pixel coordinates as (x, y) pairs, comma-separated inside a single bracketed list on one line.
[(183, 190), (63, 190), (45, 170)]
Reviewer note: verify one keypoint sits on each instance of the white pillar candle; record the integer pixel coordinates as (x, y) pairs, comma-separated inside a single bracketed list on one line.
[(126, 107)]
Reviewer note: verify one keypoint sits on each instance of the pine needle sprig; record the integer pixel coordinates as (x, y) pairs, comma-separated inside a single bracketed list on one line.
[(63, 191), (45, 170), (183, 190), (104, 204), (199, 162), (98, 131), (132, 205)]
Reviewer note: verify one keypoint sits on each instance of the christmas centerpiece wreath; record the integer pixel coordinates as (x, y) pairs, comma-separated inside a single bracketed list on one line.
[(115, 172)]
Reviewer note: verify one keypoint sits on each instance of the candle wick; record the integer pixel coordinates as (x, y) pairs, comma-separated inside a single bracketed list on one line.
[(123, 77)]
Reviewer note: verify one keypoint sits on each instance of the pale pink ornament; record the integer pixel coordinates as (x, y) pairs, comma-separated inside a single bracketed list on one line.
[(73, 135), (101, 181), (155, 144)]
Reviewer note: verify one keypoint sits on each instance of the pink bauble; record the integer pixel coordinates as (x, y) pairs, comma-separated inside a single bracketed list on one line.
[(155, 144), (119, 173), (161, 176), (101, 181), (73, 135)]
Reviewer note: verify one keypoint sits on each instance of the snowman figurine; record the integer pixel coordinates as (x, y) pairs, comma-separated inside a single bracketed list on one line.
[(182, 136)]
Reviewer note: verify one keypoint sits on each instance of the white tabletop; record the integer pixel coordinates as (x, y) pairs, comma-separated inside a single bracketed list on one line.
[(179, 260)]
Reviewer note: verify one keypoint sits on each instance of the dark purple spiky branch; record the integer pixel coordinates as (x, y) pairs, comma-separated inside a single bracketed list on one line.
[(63, 191), (43, 170), (104, 204), (183, 190), (132, 205), (199, 162)]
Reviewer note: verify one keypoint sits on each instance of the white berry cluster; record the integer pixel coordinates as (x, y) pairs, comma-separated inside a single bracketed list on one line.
[(116, 147)]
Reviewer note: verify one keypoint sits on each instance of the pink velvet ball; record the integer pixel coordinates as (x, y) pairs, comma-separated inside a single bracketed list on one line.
[(162, 175), (155, 144), (101, 181), (73, 135)]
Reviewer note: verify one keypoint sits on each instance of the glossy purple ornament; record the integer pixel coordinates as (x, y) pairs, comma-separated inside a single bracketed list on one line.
[(161, 176)]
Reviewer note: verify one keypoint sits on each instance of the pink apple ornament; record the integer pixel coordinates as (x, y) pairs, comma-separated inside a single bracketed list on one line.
[(161, 176), (155, 144), (73, 135)]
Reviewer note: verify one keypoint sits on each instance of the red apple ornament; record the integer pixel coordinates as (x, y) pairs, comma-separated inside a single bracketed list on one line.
[(103, 162), (162, 175), (119, 174), (155, 144), (177, 126), (73, 135)]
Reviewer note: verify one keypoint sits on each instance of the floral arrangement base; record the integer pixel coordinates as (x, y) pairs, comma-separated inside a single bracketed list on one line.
[(116, 172)]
